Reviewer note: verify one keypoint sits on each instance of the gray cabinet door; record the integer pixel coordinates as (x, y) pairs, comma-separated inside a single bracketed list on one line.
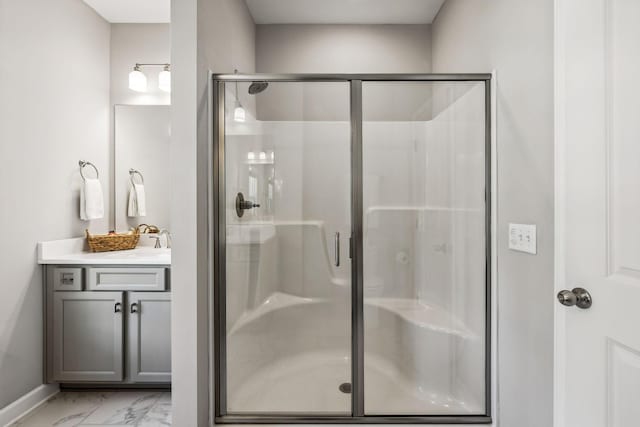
[(149, 337), (87, 336)]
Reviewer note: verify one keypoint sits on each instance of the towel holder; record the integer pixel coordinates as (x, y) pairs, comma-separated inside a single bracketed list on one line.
[(82, 164), (133, 172)]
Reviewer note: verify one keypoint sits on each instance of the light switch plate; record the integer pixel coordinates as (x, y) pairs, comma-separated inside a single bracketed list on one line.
[(522, 238)]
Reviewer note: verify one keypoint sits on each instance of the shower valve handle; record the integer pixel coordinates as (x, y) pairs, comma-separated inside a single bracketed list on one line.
[(249, 205), (243, 205)]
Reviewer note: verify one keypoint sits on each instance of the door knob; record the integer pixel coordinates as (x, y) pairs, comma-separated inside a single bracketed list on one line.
[(577, 296), (242, 205)]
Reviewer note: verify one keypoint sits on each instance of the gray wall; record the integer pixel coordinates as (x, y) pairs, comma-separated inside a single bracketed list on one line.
[(515, 37), (294, 48), (54, 111), (215, 35)]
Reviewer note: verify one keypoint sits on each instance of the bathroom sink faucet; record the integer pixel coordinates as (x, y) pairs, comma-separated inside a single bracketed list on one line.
[(157, 245), (165, 232)]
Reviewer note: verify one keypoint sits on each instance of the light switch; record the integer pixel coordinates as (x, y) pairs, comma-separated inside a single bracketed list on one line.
[(522, 238)]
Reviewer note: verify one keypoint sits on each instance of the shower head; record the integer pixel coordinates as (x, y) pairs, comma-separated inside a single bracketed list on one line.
[(257, 87)]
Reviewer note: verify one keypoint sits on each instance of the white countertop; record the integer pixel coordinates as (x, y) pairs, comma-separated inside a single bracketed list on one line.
[(74, 251)]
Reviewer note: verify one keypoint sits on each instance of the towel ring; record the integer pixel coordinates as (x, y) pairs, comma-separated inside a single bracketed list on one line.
[(133, 172), (84, 163)]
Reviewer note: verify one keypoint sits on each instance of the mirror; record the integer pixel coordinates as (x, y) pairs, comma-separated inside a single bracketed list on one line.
[(142, 135)]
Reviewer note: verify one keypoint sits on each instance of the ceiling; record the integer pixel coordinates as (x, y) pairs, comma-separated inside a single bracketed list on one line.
[(344, 11), (286, 11), (133, 11)]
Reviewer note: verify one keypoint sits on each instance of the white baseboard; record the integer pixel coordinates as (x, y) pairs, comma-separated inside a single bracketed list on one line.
[(13, 411)]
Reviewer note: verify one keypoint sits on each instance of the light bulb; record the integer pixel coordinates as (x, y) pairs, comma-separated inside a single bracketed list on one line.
[(239, 114), (137, 80), (164, 79), (251, 155)]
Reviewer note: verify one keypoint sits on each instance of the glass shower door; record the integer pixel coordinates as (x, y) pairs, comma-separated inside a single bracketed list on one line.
[(425, 247), (286, 220), (352, 251)]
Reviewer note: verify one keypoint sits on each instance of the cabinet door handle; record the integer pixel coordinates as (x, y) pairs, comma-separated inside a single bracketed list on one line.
[(134, 307), (117, 308), (337, 249)]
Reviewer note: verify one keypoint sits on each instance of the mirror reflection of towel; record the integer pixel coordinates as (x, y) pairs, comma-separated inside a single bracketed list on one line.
[(91, 200), (137, 201)]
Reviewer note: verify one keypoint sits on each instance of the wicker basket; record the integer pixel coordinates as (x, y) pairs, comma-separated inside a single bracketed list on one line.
[(113, 242)]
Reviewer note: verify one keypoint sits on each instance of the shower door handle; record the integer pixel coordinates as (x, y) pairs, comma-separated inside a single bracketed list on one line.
[(337, 249)]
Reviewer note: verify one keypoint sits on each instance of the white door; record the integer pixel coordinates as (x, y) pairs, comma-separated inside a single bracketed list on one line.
[(597, 357)]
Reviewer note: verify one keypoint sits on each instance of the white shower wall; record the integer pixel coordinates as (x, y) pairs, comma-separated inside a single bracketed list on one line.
[(454, 268), (424, 199), (424, 188), (424, 218), (451, 234)]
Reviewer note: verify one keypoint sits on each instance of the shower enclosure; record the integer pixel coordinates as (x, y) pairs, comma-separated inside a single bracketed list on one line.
[(351, 248)]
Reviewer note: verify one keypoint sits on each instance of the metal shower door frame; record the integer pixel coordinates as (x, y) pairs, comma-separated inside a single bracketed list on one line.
[(357, 286)]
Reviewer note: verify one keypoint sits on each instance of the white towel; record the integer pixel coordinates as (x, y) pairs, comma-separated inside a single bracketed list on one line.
[(91, 200), (137, 201)]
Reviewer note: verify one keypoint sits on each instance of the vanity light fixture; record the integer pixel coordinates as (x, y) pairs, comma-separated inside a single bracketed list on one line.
[(138, 80), (239, 114), (164, 79)]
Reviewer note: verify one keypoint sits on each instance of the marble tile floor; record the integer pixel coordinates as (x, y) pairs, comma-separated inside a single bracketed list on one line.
[(139, 408)]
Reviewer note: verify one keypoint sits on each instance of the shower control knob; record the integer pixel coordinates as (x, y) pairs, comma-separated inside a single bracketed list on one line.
[(577, 296), (243, 205), (249, 205)]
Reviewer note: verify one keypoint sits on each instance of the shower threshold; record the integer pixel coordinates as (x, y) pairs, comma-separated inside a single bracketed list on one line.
[(269, 392), (329, 419)]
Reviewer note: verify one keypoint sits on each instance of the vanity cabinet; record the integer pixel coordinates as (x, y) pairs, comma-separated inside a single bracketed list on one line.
[(101, 329)]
